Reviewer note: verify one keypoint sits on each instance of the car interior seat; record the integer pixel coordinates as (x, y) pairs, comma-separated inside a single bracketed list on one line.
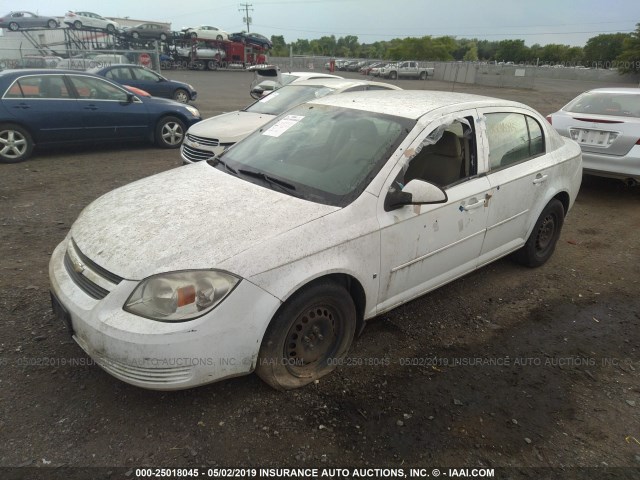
[(441, 163)]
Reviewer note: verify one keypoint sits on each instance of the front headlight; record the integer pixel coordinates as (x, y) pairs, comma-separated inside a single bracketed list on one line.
[(180, 296), (192, 110)]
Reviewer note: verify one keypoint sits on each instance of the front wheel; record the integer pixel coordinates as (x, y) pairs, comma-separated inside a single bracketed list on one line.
[(163, 37), (77, 24), (13, 26), (135, 35), (393, 75), (212, 65), (423, 75), (181, 95), (542, 241), (16, 144), (169, 132), (308, 337), (219, 38), (111, 29)]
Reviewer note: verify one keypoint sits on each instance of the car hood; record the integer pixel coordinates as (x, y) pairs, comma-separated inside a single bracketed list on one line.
[(230, 127), (192, 217)]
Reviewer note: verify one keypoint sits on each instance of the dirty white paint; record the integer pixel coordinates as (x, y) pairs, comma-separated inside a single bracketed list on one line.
[(199, 217)]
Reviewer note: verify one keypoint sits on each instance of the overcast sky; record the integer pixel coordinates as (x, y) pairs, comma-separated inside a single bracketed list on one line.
[(570, 22)]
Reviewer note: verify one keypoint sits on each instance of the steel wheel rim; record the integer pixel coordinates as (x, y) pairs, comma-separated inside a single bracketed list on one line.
[(545, 234), (182, 97), (312, 338)]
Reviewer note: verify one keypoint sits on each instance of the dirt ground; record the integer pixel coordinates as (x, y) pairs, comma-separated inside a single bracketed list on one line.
[(506, 367)]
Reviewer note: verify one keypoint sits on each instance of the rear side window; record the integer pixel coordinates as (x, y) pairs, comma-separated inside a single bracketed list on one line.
[(513, 138), (45, 87)]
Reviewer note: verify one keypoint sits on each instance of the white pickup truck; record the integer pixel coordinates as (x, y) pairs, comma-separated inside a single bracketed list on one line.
[(409, 69)]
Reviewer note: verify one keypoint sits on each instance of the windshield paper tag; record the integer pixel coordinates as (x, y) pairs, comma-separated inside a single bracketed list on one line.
[(283, 125)]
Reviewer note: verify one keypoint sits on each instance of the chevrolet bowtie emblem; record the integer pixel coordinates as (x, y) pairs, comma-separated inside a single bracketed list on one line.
[(78, 266)]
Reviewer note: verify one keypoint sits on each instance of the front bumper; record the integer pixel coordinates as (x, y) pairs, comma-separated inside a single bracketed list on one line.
[(164, 355)]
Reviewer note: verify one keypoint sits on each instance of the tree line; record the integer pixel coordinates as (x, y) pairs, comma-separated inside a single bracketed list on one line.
[(621, 50)]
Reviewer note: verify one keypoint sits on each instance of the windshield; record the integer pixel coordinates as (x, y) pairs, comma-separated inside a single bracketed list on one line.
[(284, 98), (600, 103), (286, 79), (317, 152)]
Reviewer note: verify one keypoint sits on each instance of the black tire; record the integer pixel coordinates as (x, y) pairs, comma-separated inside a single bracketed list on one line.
[(111, 29), (181, 95), (163, 37), (170, 132), (194, 35), (16, 144), (544, 236), (423, 75), (13, 26), (52, 23), (212, 65), (393, 75), (308, 337), (135, 35), (77, 24), (219, 37)]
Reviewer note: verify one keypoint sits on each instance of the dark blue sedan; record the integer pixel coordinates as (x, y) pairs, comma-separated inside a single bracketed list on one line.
[(148, 80), (46, 107)]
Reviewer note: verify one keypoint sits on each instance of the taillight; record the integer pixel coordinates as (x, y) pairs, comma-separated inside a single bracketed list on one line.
[(638, 142), (548, 117)]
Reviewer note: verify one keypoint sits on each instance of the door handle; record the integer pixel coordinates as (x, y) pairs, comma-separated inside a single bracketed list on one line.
[(91, 107), (22, 106), (472, 206), (540, 179)]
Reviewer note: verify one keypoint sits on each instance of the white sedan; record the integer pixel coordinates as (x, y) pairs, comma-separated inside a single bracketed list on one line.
[(213, 135), (270, 257), (89, 20), (206, 32), (606, 124)]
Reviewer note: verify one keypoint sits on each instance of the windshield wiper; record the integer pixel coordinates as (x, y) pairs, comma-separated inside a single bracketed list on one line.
[(215, 161), (281, 184)]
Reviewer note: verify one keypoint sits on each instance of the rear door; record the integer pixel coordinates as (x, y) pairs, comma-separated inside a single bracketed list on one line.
[(519, 170)]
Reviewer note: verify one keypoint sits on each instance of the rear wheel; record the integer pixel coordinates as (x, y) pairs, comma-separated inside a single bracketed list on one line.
[(423, 75), (16, 143), (163, 37), (219, 37), (169, 132), (52, 23), (212, 65), (393, 75), (542, 241), (308, 337), (135, 35)]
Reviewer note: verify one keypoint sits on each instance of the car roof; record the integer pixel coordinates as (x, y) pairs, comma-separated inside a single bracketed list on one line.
[(411, 104), (633, 90), (339, 83)]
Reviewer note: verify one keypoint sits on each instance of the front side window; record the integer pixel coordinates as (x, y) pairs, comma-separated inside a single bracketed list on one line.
[(317, 152), (142, 74), (90, 88), (446, 157), (513, 138), (119, 74)]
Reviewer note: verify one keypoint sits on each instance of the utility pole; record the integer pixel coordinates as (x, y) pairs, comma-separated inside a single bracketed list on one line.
[(247, 18)]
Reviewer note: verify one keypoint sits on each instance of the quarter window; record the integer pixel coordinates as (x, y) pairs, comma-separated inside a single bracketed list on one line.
[(513, 138)]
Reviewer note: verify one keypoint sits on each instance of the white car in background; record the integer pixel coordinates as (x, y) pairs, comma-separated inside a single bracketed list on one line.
[(213, 135), (80, 20), (269, 78), (205, 32), (606, 124), (270, 257)]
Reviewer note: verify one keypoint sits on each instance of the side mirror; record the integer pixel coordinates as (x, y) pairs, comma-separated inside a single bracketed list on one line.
[(416, 192)]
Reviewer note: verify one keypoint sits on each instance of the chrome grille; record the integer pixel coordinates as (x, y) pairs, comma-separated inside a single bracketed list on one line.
[(211, 142), (92, 279), (195, 154)]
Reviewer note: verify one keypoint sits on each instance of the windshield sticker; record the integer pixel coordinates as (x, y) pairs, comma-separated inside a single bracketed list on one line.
[(269, 96), (283, 125)]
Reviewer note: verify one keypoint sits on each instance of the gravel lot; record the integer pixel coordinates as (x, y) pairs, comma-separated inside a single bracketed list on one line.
[(506, 367)]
